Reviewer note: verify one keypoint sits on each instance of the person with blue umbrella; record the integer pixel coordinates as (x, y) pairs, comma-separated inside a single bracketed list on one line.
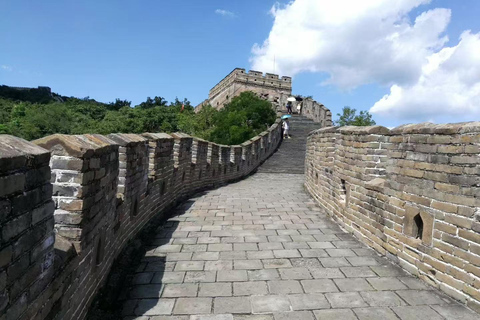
[(286, 126)]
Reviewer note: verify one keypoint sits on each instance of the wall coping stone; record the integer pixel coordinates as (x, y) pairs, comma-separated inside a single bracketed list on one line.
[(15, 152), (180, 135), (324, 130), (80, 146), (431, 128), (363, 130), (156, 136), (126, 139)]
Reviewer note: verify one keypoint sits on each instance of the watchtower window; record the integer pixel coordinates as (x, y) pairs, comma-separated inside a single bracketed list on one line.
[(418, 227)]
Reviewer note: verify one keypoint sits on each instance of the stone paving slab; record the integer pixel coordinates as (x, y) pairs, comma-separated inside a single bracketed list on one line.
[(260, 249)]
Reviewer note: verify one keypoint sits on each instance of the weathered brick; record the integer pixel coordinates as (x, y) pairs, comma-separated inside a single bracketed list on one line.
[(444, 227), (450, 149), (455, 241), (67, 163), (10, 184), (443, 206), (37, 177), (5, 256), (447, 187), (45, 211), (469, 235), (5, 210), (16, 226), (459, 221)]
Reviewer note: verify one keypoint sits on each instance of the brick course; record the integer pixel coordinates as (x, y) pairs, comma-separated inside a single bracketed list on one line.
[(99, 194), (412, 193)]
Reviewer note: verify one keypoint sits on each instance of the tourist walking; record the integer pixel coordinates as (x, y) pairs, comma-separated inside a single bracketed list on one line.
[(289, 107), (299, 108), (286, 128)]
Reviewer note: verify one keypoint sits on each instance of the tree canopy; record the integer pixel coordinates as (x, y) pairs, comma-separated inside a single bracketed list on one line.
[(244, 117), (349, 117)]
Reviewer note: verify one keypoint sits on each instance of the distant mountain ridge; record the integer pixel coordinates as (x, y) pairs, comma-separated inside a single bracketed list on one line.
[(41, 94)]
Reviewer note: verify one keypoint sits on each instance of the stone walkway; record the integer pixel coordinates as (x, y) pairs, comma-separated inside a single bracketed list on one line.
[(260, 249)]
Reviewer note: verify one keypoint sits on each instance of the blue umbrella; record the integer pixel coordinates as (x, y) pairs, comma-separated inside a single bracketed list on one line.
[(286, 116)]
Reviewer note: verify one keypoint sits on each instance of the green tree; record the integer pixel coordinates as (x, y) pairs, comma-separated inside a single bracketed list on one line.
[(349, 117), (118, 104), (152, 103), (244, 117), (33, 121), (241, 119), (199, 124)]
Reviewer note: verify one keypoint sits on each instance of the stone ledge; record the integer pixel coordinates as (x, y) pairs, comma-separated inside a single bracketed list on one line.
[(126, 139), (80, 146), (363, 130), (431, 128), (324, 130), (156, 136), (17, 152)]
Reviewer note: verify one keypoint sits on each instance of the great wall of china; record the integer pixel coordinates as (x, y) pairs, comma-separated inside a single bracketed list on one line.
[(70, 204), (411, 193)]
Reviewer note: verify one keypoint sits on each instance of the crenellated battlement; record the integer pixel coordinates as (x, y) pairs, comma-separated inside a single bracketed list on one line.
[(411, 193), (69, 204), (239, 80)]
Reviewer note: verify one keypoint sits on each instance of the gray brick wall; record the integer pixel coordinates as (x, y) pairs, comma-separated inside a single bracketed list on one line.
[(26, 224), (105, 190), (412, 193)]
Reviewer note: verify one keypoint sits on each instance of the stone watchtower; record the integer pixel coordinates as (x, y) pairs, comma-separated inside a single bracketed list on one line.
[(269, 86)]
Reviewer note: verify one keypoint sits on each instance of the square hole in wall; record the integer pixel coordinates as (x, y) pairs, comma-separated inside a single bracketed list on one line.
[(418, 224), (344, 193)]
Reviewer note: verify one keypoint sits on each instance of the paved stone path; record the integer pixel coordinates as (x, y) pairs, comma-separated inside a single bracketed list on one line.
[(260, 249)]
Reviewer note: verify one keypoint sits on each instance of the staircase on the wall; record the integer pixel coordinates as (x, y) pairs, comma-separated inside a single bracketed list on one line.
[(290, 157)]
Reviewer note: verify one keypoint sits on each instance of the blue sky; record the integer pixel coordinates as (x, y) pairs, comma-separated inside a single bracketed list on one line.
[(134, 49)]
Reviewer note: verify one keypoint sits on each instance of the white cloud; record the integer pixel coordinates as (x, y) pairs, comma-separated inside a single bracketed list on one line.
[(447, 90), (354, 42), (225, 13), (380, 42), (5, 67)]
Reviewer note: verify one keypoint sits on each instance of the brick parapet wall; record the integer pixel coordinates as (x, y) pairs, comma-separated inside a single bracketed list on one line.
[(106, 189), (412, 193), (26, 224), (316, 111)]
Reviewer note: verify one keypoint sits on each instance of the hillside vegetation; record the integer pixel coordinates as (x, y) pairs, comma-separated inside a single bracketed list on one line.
[(28, 118)]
